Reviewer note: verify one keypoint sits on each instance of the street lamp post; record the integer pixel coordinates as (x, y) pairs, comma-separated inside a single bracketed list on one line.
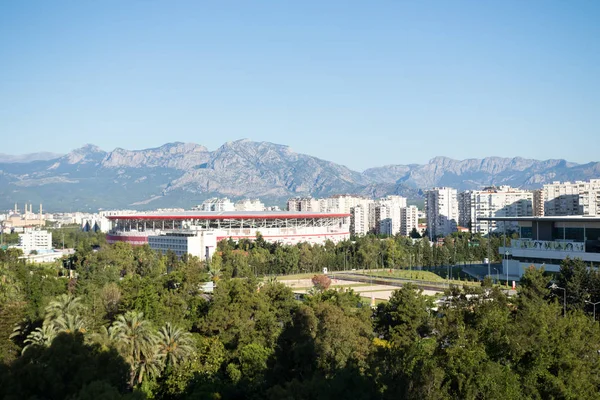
[(555, 286), (506, 253), (594, 304)]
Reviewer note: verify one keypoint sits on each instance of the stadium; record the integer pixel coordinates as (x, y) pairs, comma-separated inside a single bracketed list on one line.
[(170, 230)]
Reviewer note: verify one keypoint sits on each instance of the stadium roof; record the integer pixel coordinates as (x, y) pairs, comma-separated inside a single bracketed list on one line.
[(564, 218), (229, 215)]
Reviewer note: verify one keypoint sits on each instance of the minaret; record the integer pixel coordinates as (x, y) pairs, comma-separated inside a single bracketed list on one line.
[(25, 209), (41, 215)]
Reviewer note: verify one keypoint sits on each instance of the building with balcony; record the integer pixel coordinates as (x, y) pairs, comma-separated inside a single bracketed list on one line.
[(502, 201), (565, 198), (441, 207), (547, 241), (35, 240)]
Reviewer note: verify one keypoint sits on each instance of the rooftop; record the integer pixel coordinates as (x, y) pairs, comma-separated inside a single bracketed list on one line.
[(230, 215), (564, 218)]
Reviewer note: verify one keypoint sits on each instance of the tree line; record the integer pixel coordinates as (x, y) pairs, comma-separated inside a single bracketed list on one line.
[(258, 257), (131, 323)]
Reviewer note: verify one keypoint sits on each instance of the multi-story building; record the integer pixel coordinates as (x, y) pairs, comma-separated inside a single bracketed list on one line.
[(249, 205), (37, 240), (201, 244), (502, 201), (589, 202), (304, 204), (409, 220), (562, 198), (464, 209), (538, 202), (359, 219), (389, 208), (342, 203), (441, 205), (216, 205)]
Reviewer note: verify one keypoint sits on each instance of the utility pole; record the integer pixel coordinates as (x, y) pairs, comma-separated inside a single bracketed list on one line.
[(489, 251)]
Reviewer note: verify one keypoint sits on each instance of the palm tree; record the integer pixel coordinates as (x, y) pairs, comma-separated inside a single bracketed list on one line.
[(40, 336), (174, 344), (63, 305), (69, 323), (105, 337), (151, 365), (136, 342)]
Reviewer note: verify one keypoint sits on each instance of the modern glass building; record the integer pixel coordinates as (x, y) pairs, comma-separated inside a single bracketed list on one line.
[(547, 241)]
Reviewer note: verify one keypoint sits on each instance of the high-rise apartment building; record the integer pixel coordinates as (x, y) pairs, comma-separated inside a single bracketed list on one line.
[(538, 202), (441, 205), (388, 214), (359, 219), (409, 220), (502, 201), (249, 205), (589, 203), (464, 209), (562, 198), (304, 204)]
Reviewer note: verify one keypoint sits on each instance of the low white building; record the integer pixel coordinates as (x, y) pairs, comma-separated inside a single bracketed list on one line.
[(201, 244), (37, 240), (96, 223)]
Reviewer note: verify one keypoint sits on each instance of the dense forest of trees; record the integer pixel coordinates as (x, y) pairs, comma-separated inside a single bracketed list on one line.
[(115, 321)]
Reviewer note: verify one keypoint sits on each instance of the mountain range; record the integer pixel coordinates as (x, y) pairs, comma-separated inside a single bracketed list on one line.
[(184, 174)]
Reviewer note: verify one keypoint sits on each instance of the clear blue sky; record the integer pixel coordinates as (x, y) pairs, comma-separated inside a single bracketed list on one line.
[(362, 83)]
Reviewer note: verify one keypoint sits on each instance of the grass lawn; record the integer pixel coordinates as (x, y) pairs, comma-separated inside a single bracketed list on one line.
[(416, 275)]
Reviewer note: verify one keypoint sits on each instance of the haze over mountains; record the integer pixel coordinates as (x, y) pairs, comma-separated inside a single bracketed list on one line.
[(183, 174)]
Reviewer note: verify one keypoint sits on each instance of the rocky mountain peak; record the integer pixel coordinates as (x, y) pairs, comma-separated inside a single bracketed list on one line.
[(88, 153)]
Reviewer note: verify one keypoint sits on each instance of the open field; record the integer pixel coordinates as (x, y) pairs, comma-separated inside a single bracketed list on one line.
[(414, 276), (366, 290)]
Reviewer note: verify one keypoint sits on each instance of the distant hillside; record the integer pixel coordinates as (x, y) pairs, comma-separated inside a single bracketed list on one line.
[(477, 173), (183, 174), (25, 158)]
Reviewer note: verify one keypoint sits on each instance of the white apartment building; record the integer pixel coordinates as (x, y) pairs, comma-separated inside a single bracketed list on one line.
[(304, 204), (441, 206), (201, 244), (409, 220), (35, 240), (562, 198), (589, 203), (249, 205), (343, 203), (503, 201), (216, 204), (388, 214), (389, 208), (359, 219), (538, 203)]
